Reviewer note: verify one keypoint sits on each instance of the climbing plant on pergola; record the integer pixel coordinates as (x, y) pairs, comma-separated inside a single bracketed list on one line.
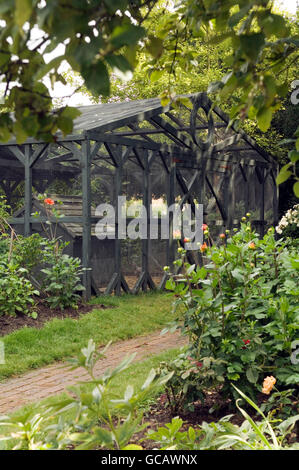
[(190, 144)]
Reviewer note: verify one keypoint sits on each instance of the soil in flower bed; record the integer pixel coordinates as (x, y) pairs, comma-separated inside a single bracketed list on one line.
[(159, 415), (8, 324)]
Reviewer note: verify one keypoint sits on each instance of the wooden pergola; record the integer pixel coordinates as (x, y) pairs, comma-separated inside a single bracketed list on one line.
[(190, 144)]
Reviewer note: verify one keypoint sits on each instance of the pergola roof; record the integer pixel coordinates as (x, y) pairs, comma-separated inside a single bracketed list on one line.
[(109, 116)]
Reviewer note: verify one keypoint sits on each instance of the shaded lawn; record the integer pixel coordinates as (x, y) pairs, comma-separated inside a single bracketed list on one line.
[(130, 316)]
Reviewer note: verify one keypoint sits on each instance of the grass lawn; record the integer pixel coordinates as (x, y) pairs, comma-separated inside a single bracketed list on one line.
[(130, 316)]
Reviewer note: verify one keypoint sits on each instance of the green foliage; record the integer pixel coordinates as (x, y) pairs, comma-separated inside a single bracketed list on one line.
[(95, 425), (225, 435), (281, 404), (21, 258), (186, 384), (95, 38), (16, 292), (239, 311), (28, 252), (62, 282)]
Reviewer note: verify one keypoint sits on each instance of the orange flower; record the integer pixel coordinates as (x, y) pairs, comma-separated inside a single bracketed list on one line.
[(268, 384), (251, 246), (203, 247), (186, 240), (49, 202), (222, 235)]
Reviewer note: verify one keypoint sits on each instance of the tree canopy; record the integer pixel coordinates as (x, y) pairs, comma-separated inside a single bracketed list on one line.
[(99, 38)]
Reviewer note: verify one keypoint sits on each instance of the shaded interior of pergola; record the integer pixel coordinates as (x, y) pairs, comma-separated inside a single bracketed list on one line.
[(183, 153)]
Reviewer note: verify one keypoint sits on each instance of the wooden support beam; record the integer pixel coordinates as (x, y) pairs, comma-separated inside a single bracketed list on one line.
[(112, 284), (86, 216), (170, 201), (28, 192), (41, 149), (146, 203), (173, 133), (139, 284), (221, 209)]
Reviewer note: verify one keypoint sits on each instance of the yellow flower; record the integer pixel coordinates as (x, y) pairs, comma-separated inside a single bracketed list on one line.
[(268, 384)]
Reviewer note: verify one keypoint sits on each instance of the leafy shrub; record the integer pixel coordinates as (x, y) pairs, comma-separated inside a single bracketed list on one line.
[(225, 435), (239, 310), (16, 292), (23, 255), (184, 387), (95, 424), (62, 281), (28, 252)]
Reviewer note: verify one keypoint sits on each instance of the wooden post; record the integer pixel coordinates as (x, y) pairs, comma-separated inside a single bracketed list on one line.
[(170, 202), (28, 192), (117, 252), (86, 217), (146, 204)]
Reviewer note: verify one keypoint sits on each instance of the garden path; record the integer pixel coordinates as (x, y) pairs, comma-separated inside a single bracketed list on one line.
[(50, 380)]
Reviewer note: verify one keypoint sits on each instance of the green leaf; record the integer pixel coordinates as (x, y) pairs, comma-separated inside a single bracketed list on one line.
[(155, 47), (19, 132), (236, 17), (283, 175), (156, 75), (252, 375), (294, 156), (251, 44), (23, 10), (97, 78), (126, 35), (6, 5), (113, 6), (132, 447), (264, 117), (70, 112), (273, 24), (53, 64), (296, 188)]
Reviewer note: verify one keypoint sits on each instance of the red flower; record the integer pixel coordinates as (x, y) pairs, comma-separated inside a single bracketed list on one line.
[(49, 202), (186, 240), (222, 235), (204, 227), (245, 341)]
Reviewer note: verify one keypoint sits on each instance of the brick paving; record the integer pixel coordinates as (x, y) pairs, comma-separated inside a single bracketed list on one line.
[(51, 380)]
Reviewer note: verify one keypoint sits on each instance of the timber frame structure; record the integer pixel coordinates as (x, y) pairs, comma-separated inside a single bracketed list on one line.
[(190, 144)]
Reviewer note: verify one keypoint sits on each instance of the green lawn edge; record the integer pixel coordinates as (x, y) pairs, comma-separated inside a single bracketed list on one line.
[(58, 339)]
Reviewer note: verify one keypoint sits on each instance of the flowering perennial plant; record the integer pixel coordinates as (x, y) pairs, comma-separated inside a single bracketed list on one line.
[(289, 223), (239, 311)]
